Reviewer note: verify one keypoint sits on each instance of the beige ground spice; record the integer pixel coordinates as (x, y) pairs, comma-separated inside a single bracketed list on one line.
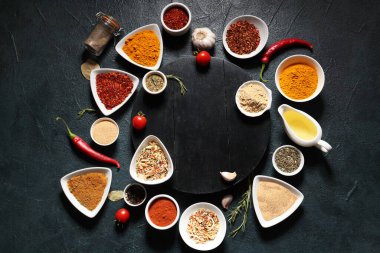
[(274, 199), (105, 132), (253, 97)]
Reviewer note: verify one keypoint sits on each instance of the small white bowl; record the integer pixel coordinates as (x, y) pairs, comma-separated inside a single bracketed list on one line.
[(132, 167), (99, 120), (74, 201), (253, 114), (156, 30), (125, 195), (154, 72), (184, 29), (150, 203), (101, 106), (264, 223), (260, 25), (303, 59), (283, 172), (212, 244)]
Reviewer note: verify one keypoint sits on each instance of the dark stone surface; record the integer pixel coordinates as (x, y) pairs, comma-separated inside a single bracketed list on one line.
[(40, 79)]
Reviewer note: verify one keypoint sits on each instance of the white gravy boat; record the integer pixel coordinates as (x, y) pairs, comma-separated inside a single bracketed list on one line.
[(315, 141)]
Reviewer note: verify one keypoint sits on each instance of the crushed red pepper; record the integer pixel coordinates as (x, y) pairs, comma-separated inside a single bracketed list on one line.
[(176, 18), (113, 88), (242, 37)]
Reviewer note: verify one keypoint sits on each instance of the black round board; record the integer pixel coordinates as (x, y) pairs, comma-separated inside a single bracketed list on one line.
[(203, 130)]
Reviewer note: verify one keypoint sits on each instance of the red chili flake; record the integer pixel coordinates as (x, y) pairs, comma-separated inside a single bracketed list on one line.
[(176, 18), (242, 37), (113, 88)]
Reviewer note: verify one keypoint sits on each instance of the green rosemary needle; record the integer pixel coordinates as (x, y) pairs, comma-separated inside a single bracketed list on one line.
[(83, 111), (180, 83)]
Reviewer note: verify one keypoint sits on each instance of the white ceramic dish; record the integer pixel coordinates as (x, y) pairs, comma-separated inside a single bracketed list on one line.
[(132, 167), (74, 201), (125, 195), (101, 106), (212, 244), (263, 32), (99, 120), (304, 59), (154, 72), (253, 114), (184, 29), (265, 223), (150, 203), (156, 30), (283, 172)]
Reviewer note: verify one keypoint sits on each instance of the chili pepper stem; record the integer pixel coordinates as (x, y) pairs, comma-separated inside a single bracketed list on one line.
[(262, 72), (71, 134)]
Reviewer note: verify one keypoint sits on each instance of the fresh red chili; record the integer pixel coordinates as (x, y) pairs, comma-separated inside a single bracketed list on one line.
[(275, 47), (176, 18), (80, 144)]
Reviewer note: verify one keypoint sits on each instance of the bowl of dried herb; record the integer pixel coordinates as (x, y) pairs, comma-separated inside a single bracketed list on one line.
[(288, 160), (154, 82)]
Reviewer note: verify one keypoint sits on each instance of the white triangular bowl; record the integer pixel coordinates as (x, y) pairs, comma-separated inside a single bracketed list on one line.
[(132, 167), (156, 30), (75, 202), (101, 106), (264, 223)]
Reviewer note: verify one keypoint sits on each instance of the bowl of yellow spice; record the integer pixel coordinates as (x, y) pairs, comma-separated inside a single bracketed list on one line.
[(299, 78), (142, 47)]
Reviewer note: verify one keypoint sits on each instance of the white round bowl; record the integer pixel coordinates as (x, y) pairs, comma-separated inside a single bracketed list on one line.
[(283, 172), (150, 203), (184, 29), (263, 32), (303, 59), (125, 195), (253, 114), (155, 72), (104, 119)]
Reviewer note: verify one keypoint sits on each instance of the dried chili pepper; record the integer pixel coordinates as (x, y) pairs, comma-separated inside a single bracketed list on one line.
[(275, 47), (80, 144)]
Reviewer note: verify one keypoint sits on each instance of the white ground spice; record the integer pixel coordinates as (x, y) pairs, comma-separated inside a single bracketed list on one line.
[(253, 97), (105, 132)]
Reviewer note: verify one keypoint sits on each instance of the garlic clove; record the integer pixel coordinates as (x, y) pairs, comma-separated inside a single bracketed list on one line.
[(226, 201), (228, 176)]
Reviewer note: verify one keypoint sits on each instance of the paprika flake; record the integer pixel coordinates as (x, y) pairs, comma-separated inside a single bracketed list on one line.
[(242, 37)]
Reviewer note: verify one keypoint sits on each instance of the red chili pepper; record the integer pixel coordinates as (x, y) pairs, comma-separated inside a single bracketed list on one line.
[(275, 47), (80, 144)]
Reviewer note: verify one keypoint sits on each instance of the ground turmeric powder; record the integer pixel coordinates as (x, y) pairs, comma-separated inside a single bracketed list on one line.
[(143, 48), (298, 81)]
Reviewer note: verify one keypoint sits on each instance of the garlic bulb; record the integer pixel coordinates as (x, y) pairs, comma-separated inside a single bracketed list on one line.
[(203, 38), (226, 201), (228, 176)]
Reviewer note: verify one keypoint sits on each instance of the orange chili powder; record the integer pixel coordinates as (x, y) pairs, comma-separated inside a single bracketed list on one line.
[(162, 212)]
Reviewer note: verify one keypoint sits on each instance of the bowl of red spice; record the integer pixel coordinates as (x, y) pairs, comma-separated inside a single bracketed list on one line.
[(176, 19), (245, 36), (162, 212), (112, 88)]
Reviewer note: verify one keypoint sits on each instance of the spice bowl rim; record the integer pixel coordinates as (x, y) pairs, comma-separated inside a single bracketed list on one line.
[(263, 32), (101, 106), (305, 59), (212, 244), (253, 114), (184, 29), (264, 223), (120, 44), (295, 172), (125, 195), (151, 73), (104, 119), (132, 166), (72, 198), (150, 203)]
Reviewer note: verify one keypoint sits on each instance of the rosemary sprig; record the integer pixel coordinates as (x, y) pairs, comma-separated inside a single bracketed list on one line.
[(85, 110), (180, 82), (242, 207)]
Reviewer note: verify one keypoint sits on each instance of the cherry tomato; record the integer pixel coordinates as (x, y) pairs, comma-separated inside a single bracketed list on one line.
[(203, 58), (122, 215), (139, 121)]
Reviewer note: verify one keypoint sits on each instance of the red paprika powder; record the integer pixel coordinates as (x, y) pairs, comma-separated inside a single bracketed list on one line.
[(162, 212), (176, 18)]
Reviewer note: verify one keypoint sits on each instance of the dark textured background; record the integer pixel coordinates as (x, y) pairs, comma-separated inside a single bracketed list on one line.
[(40, 77)]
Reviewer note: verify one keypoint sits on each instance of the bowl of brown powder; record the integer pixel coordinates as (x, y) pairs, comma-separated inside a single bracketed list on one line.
[(104, 131), (253, 98)]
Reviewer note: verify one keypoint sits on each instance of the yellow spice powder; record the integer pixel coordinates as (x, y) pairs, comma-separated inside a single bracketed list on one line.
[(274, 199), (105, 132)]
